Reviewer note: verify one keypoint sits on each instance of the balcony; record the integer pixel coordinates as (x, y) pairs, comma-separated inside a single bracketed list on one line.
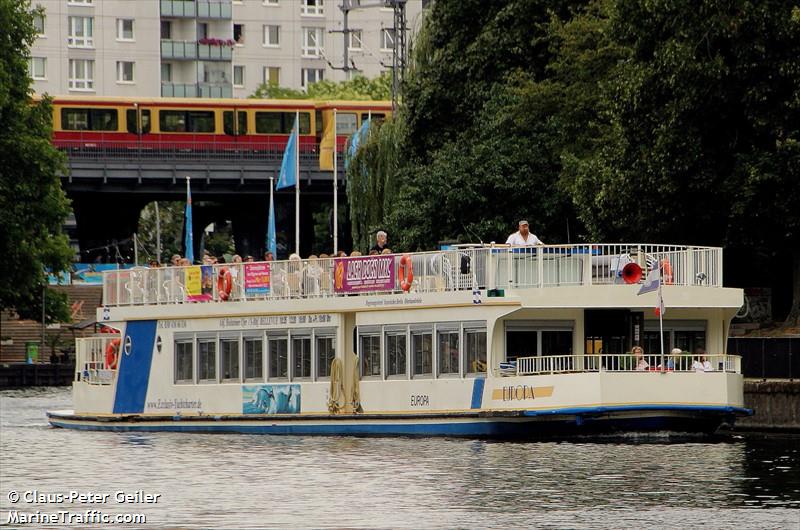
[(203, 9), (216, 90), (195, 90), (212, 52), (178, 49)]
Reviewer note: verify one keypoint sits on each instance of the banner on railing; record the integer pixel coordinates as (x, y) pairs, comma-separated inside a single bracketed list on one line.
[(360, 275), (199, 283), (256, 278)]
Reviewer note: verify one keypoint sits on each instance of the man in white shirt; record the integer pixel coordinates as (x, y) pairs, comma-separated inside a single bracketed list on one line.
[(523, 237)]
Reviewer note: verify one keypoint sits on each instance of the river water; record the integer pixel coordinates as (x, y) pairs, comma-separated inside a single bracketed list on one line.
[(251, 481)]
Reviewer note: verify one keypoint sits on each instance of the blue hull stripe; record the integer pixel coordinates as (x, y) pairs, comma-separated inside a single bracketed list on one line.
[(640, 408), (477, 392), (134, 367)]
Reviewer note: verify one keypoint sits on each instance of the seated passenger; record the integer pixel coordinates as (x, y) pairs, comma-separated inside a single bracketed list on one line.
[(641, 362), (523, 237)]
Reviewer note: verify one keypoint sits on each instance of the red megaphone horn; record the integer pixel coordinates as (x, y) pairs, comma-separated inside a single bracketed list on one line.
[(631, 273)]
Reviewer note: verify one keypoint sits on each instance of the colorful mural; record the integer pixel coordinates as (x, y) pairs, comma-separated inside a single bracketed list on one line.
[(271, 399)]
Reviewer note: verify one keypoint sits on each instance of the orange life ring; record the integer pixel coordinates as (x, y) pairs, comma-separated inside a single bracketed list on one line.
[(666, 268), (112, 354), (224, 283), (406, 272)]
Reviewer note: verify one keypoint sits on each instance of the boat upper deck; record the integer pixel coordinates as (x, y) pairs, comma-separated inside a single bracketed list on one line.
[(464, 268)]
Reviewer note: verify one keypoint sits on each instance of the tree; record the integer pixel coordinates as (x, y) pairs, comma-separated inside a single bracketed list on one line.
[(357, 88), (32, 204), (171, 215)]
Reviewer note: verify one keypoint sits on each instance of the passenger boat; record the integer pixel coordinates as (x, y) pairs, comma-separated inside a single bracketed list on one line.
[(479, 340)]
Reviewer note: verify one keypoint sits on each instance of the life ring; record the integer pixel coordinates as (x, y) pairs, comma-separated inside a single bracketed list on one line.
[(112, 354), (406, 272), (666, 268), (224, 283)]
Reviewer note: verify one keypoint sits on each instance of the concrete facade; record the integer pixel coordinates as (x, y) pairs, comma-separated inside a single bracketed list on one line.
[(204, 48)]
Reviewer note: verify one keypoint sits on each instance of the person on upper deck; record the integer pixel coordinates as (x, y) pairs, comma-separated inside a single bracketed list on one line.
[(381, 239), (641, 362), (523, 237)]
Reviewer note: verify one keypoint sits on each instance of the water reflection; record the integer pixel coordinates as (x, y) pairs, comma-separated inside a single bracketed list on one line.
[(252, 481)]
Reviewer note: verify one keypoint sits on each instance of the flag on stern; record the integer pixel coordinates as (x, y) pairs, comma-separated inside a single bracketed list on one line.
[(188, 238), (288, 176), (652, 282)]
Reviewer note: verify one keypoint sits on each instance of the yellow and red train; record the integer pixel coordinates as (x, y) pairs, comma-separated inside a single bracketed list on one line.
[(166, 124)]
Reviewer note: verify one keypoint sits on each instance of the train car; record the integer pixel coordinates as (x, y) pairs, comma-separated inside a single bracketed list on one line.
[(350, 115), (156, 125)]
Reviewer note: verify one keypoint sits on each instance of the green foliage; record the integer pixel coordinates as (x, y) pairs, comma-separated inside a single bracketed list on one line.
[(171, 217), (357, 88), (32, 203), (220, 241)]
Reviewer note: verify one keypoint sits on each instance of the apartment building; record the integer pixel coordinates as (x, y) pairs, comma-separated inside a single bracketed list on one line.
[(206, 48)]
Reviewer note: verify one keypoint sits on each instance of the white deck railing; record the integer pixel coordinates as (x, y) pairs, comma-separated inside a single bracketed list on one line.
[(90, 359), (560, 364), (462, 269)]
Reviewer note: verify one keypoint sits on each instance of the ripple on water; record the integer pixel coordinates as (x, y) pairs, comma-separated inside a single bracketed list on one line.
[(254, 481)]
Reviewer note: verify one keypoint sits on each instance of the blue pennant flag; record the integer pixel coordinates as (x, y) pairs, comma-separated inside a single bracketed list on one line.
[(272, 242), (189, 238), (288, 176), (356, 139)]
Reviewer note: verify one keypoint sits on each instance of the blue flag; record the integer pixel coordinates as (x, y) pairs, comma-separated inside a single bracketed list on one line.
[(356, 139), (288, 176), (272, 243), (189, 238)]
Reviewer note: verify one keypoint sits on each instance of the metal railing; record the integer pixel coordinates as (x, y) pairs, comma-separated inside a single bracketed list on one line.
[(461, 269), (214, 9), (178, 49), (90, 359), (561, 364), (208, 52)]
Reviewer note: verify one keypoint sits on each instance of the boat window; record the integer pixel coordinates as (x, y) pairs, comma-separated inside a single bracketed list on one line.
[(475, 350), (370, 353), (422, 348), (73, 119), (448, 352), (207, 360), (281, 122), (326, 351), (253, 358), (278, 352), (346, 122), (396, 353), (229, 351), (556, 342), (184, 357), (301, 353)]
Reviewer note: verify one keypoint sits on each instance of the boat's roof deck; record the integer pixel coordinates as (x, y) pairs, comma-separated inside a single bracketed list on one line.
[(462, 268)]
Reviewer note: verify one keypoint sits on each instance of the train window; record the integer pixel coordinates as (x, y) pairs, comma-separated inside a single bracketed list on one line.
[(130, 117), (227, 122), (346, 122), (186, 121), (73, 119), (281, 122), (377, 118), (318, 120)]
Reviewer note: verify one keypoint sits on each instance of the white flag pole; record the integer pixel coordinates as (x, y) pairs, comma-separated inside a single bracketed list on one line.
[(335, 188), (297, 187), (661, 320)]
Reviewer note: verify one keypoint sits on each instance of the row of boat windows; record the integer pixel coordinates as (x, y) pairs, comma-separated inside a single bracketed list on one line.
[(448, 349), (287, 355)]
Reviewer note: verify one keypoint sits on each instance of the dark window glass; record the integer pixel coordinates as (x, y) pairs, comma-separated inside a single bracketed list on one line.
[(207, 360), (301, 353), (253, 359), (422, 344), (326, 351), (196, 121), (396, 354), (448, 352), (88, 119), (370, 355), (241, 117), (229, 350), (278, 357), (475, 346), (227, 122), (281, 122), (172, 121), (130, 117), (201, 121), (184, 357), (556, 343)]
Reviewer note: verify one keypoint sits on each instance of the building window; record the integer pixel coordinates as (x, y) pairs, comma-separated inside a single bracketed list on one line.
[(38, 23), (271, 2), (238, 34), (356, 39), (326, 352), (311, 75), (272, 75), (272, 35), (396, 353), (253, 359), (125, 71), (202, 30), (80, 2), (81, 74), (301, 354), (125, 29), (238, 75), (387, 39), (422, 348), (166, 73), (184, 357), (370, 351), (229, 353), (80, 31), (38, 67), (448, 352), (206, 360), (475, 350), (312, 8), (166, 29), (278, 353), (313, 42)]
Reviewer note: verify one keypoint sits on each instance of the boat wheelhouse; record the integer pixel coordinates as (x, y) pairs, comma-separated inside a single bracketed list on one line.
[(474, 340)]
